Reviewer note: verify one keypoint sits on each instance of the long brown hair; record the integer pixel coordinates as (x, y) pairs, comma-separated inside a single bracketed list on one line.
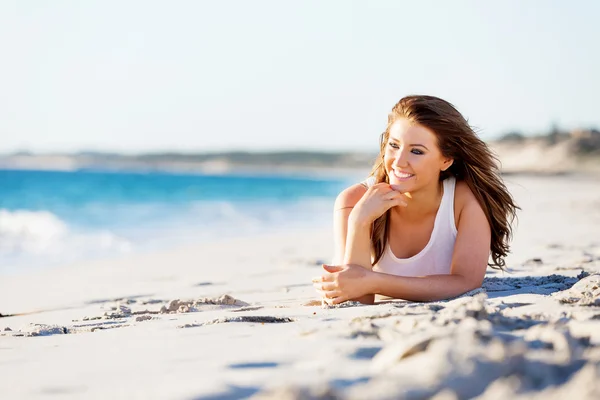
[(473, 163)]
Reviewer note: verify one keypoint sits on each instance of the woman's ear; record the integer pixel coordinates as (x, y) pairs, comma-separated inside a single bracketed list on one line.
[(447, 164)]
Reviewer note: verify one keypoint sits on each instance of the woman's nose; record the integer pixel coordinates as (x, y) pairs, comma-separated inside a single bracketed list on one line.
[(400, 160)]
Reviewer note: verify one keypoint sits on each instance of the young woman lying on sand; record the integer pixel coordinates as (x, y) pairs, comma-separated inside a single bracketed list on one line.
[(422, 227)]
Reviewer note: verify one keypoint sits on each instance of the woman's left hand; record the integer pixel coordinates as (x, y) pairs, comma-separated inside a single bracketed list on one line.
[(343, 283)]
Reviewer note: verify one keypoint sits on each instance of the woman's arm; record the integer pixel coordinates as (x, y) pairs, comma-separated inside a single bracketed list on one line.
[(422, 288), (344, 204), (352, 239), (469, 263), (358, 208), (358, 251)]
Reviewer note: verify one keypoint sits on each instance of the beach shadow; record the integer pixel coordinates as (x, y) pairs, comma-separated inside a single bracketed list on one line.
[(203, 284), (233, 393), (503, 305), (248, 308), (365, 353), (128, 299), (535, 376), (501, 286), (37, 311), (254, 365), (261, 319), (496, 287), (345, 383)]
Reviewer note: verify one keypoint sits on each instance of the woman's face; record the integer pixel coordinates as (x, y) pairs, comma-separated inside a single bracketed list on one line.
[(412, 157)]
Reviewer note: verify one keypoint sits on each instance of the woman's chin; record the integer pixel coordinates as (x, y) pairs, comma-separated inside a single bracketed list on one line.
[(399, 185)]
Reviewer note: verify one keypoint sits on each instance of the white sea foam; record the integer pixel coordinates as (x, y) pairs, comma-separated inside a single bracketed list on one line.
[(28, 235), (29, 231), (41, 238)]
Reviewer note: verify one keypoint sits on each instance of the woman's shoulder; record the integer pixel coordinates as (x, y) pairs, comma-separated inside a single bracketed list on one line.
[(463, 199), (350, 196), (463, 193)]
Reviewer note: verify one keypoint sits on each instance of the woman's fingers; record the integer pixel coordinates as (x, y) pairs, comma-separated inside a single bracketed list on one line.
[(327, 290), (398, 202), (378, 199), (324, 278), (392, 194), (325, 286), (335, 300), (395, 198), (331, 294), (339, 300)]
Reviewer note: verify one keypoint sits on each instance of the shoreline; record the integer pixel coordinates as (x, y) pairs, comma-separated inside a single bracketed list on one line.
[(574, 153)]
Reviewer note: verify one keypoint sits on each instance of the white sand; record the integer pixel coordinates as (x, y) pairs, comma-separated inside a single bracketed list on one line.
[(97, 331)]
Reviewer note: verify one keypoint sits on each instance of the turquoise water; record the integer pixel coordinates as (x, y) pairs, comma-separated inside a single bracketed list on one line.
[(49, 217)]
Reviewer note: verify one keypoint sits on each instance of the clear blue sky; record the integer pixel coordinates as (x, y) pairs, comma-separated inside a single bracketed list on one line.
[(136, 76)]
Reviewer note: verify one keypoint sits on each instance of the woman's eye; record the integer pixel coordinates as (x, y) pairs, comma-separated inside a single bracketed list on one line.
[(416, 151), (393, 145)]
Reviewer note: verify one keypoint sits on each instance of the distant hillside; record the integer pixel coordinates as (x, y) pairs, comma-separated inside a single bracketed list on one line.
[(292, 161), (555, 152)]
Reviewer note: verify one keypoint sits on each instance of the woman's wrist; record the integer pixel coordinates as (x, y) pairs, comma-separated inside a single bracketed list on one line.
[(358, 221), (372, 282)]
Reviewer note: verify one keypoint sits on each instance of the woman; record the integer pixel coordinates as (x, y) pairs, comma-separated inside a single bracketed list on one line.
[(423, 226)]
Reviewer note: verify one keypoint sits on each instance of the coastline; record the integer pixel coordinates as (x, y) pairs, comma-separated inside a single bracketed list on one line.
[(577, 152)]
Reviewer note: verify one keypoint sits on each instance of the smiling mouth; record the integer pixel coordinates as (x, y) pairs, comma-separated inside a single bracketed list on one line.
[(402, 175)]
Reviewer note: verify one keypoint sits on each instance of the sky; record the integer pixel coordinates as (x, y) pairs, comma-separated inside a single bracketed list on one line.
[(203, 76)]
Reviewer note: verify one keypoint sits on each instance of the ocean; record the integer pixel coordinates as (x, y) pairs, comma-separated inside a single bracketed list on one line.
[(50, 218)]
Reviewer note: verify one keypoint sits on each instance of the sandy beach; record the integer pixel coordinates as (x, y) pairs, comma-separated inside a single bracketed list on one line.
[(237, 318)]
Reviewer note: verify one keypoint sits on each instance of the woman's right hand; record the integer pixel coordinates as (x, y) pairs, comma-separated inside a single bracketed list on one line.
[(375, 202)]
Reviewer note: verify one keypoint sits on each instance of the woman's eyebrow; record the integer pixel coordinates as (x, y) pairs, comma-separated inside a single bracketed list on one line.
[(412, 144)]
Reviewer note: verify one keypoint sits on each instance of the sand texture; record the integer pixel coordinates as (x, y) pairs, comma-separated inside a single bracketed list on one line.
[(239, 318)]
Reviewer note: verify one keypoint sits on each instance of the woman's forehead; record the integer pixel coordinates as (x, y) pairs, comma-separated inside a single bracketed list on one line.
[(403, 129)]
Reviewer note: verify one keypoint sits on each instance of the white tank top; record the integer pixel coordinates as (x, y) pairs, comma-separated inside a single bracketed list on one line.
[(436, 257)]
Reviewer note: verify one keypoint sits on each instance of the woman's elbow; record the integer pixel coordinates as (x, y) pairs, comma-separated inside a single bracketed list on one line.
[(471, 283)]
